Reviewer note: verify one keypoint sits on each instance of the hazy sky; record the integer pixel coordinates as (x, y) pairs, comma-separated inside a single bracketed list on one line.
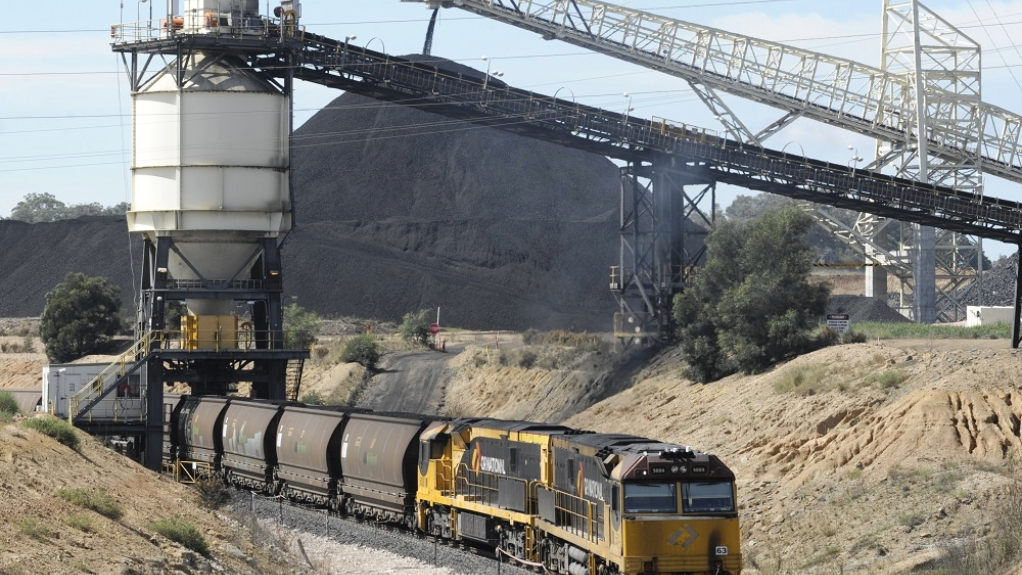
[(65, 126)]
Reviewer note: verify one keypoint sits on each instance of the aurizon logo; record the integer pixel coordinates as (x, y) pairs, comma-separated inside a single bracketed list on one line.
[(477, 461)]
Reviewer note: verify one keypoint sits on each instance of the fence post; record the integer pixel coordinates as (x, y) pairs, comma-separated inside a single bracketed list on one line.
[(280, 514), (252, 507)]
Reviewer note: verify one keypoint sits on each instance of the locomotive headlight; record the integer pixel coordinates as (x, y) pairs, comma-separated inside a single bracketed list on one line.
[(675, 469)]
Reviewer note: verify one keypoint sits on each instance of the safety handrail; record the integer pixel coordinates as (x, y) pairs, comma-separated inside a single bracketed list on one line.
[(490, 486), (112, 373)]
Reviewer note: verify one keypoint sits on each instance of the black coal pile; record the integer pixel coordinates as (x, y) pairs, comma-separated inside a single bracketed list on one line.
[(398, 210), (36, 257), (999, 283), (864, 309)]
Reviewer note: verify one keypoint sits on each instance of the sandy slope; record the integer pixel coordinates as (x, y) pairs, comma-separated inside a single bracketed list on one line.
[(881, 458)]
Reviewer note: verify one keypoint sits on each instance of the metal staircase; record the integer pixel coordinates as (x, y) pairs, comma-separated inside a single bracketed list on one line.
[(294, 378), (81, 404)]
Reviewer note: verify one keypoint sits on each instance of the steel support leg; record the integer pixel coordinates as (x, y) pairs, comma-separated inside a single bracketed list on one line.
[(154, 414), (1015, 335)]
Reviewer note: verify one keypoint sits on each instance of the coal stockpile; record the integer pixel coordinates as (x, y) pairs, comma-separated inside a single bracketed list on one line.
[(864, 309), (37, 257), (998, 286), (398, 210)]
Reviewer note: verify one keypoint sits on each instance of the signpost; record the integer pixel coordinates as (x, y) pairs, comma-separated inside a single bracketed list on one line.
[(838, 322)]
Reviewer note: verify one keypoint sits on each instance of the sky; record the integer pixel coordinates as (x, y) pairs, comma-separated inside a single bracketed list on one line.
[(65, 123)]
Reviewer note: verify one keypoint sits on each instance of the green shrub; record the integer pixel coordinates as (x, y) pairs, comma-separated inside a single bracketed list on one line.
[(363, 350), (908, 330), (560, 337), (853, 337), (889, 379), (80, 521), (96, 500), (527, 359), (415, 326), (182, 532), (313, 398), (213, 494), (58, 429), (34, 528), (8, 404), (301, 327), (806, 380)]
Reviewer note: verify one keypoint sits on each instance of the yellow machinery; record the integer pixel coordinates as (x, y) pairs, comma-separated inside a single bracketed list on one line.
[(214, 332)]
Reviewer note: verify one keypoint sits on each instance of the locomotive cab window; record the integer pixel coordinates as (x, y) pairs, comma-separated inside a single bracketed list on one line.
[(650, 498), (708, 497)]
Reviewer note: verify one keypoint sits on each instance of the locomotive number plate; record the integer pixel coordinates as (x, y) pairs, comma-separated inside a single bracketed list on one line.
[(720, 550)]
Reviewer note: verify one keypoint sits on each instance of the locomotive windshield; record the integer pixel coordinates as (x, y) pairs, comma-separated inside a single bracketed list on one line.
[(650, 498), (707, 497)]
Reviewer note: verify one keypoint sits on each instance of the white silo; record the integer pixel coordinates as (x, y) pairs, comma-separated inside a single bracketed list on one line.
[(210, 169)]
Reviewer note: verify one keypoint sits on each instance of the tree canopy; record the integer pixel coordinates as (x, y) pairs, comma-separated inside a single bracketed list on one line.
[(415, 325), (45, 207), (80, 317), (301, 327), (751, 305)]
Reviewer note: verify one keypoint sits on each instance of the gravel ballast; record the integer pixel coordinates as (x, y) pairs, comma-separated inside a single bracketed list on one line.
[(350, 546)]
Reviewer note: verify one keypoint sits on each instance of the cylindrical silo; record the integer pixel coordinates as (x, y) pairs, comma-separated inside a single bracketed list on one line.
[(210, 169)]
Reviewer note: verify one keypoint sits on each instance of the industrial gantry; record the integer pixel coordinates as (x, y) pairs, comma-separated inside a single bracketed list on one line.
[(211, 200)]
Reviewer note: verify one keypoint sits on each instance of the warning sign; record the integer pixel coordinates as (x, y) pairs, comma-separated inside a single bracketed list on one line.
[(838, 322)]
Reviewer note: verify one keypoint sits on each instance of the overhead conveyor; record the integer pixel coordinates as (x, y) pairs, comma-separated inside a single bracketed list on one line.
[(706, 157), (799, 82)]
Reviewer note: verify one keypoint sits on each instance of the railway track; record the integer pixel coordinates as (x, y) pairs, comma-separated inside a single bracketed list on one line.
[(427, 550)]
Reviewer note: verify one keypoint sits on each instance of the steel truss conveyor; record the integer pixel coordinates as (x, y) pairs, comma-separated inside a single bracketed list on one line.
[(801, 83), (702, 154)]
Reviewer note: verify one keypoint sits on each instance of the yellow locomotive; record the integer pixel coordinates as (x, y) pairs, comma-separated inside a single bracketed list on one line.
[(577, 502)]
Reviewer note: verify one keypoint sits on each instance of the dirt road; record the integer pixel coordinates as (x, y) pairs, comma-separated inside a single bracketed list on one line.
[(411, 382)]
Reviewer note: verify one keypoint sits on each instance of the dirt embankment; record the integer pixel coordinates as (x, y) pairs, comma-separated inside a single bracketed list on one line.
[(44, 533), (867, 458), (864, 459)]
